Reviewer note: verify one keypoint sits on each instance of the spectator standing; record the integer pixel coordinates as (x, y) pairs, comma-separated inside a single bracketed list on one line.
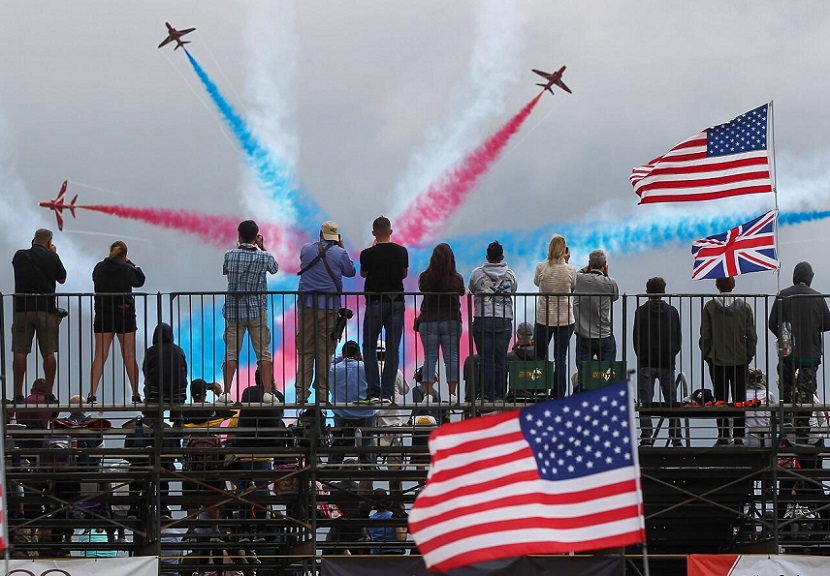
[(37, 271), (439, 324), (556, 279), (165, 369), (246, 307), (114, 278), (801, 314), (384, 265), (492, 285), (348, 385), (592, 311), (656, 341), (323, 265), (727, 343)]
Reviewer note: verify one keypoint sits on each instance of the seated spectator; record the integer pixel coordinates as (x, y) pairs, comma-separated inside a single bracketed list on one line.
[(758, 425), (165, 369), (347, 384), (36, 420), (382, 512), (524, 347)]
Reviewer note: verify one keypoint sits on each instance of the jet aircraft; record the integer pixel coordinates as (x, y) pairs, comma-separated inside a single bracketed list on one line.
[(553, 78), (58, 205), (173, 34)]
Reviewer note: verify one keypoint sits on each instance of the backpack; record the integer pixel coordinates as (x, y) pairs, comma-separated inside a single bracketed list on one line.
[(203, 452), (59, 455)]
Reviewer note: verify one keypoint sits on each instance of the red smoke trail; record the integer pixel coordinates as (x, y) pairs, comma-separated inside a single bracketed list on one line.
[(430, 211), (216, 230)]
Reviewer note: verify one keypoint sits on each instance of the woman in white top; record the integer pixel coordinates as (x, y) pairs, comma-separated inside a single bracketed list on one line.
[(556, 279)]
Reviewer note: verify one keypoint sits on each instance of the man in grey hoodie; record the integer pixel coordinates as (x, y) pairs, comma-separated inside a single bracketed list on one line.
[(492, 285), (805, 315)]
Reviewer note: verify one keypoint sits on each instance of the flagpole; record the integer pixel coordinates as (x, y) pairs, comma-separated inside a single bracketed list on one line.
[(771, 147)]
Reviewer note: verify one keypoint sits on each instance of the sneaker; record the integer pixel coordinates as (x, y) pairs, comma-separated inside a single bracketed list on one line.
[(373, 401), (386, 401), (20, 399), (136, 399), (721, 442), (51, 399), (677, 443), (269, 398), (224, 398), (646, 443)]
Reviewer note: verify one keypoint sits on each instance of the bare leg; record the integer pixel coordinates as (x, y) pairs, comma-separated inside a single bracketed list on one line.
[(453, 386), (228, 371), (127, 342), (103, 342), (50, 367), (19, 373), (266, 369)]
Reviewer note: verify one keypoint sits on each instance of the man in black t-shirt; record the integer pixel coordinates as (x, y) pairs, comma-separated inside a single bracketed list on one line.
[(384, 265), (36, 271)]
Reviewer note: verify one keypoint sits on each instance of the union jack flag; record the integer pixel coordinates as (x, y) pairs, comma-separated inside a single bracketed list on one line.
[(746, 248)]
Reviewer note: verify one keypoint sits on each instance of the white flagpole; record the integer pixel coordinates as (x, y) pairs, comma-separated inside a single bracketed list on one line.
[(771, 154)]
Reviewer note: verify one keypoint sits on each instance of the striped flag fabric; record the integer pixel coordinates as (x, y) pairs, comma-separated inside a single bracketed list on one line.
[(746, 248), (731, 159), (555, 477)]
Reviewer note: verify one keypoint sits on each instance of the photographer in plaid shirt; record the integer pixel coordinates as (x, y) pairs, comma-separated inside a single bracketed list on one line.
[(246, 307)]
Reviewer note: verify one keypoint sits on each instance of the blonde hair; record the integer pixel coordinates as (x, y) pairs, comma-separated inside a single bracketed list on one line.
[(118, 248), (557, 248)]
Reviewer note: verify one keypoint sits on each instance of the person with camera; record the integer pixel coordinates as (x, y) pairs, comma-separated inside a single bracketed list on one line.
[(323, 265), (114, 278), (37, 271), (246, 307)]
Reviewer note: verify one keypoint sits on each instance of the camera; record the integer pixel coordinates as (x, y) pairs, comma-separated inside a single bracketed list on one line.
[(62, 313), (343, 315)]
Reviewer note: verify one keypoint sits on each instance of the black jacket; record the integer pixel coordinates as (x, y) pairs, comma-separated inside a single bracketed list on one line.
[(656, 336), (165, 368), (116, 275), (806, 311)]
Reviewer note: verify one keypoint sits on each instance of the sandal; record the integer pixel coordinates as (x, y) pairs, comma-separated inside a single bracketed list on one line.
[(90, 399)]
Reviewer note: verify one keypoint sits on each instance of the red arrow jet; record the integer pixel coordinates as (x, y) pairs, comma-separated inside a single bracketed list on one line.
[(173, 34), (59, 203), (553, 78)]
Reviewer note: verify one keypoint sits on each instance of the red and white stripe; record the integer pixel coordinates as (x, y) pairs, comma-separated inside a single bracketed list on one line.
[(685, 174)]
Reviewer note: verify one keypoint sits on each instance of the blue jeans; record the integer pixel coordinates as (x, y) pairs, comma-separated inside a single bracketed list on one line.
[(604, 349), (542, 334), (387, 315), (645, 395), (492, 338), (445, 334), (344, 435)]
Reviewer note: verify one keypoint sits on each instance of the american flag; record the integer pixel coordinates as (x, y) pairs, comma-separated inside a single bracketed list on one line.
[(746, 248), (731, 159), (554, 477)]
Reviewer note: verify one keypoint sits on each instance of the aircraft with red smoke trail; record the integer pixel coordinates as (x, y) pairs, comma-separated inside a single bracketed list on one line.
[(552, 78), (58, 205), (173, 34)]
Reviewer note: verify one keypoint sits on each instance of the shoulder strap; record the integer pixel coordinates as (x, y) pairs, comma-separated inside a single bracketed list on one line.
[(321, 254)]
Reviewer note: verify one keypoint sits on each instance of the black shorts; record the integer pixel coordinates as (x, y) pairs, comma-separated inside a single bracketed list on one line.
[(114, 321)]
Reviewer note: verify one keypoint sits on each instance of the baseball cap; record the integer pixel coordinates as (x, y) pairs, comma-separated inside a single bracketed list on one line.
[(330, 230), (524, 329)]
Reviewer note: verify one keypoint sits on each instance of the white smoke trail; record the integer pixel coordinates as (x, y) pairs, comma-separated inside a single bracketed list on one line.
[(494, 68), (20, 217), (272, 52)]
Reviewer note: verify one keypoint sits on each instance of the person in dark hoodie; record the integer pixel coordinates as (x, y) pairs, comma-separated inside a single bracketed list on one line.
[(492, 286), (114, 279), (727, 343), (656, 342), (805, 315), (165, 369)]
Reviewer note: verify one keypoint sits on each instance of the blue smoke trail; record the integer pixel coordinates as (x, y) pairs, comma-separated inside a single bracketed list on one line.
[(273, 174), (526, 247)]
